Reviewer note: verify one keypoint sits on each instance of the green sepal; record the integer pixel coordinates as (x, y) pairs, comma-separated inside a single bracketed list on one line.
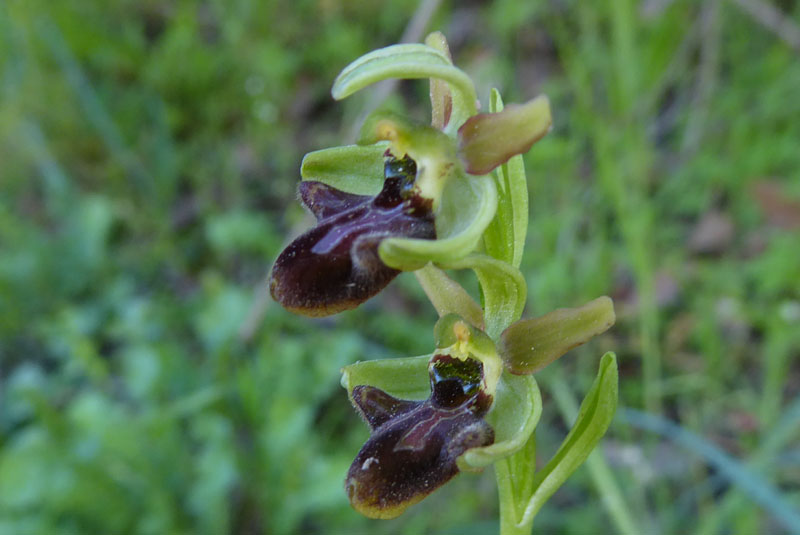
[(352, 168), (409, 61), (594, 417), (505, 236), (531, 344), (404, 378), (514, 415), (504, 290), (467, 206)]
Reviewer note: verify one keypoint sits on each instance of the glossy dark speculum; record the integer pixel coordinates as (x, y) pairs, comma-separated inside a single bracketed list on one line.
[(413, 446), (335, 266)]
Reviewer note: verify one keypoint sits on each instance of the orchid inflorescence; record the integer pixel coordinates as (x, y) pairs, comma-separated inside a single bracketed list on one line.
[(428, 198)]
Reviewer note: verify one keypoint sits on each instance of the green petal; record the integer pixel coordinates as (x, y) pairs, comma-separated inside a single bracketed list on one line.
[(352, 168), (408, 61), (531, 344), (505, 236), (594, 417), (441, 98), (468, 205), (404, 378), (514, 415), (504, 290), (487, 140)]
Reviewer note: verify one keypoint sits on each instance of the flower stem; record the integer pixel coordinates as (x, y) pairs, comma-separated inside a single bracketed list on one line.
[(514, 488), (508, 513)]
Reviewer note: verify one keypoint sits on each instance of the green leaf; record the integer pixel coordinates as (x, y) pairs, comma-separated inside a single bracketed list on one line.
[(504, 290), (404, 378), (606, 486), (352, 168), (594, 417), (531, 344), (487, 140), (514, 415), (409, 61), (467, 206), (505, 236), (447, 296)]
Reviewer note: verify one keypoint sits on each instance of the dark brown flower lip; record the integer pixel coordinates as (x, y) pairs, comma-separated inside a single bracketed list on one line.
[(414, 445), (335, 266)]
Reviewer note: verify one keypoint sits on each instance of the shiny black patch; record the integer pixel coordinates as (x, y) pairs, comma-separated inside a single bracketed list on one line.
[(335, 266), (413, 446)]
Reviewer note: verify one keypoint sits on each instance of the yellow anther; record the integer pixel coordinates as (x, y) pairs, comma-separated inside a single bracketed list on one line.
[(461, 330), (386, 130)]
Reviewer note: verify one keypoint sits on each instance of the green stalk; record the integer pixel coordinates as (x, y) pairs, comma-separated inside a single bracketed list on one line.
[(507, 489)]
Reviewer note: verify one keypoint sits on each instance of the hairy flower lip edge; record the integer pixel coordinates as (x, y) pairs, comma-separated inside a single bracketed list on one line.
[(347, 270), (514, 414), (414, 446)]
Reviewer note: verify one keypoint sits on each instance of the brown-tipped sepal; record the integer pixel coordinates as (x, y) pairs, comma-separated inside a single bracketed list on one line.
[(414, 445), (488, 140), (531, 344), (335, 266)]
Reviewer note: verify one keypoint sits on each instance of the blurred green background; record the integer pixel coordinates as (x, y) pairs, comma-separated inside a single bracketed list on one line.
[(149, 155)]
